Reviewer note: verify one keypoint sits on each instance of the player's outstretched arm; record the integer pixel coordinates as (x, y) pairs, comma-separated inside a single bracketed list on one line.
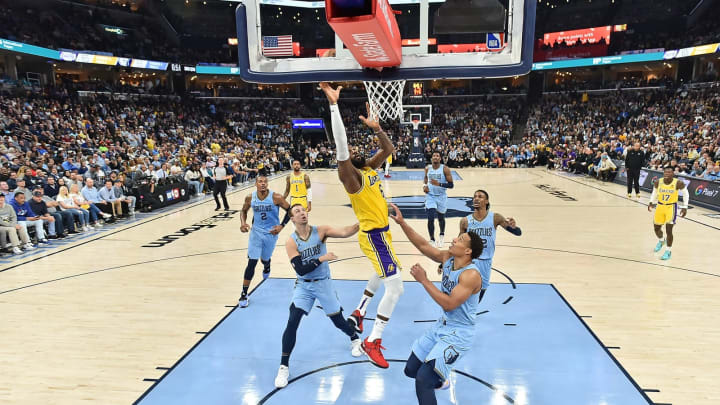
[(653, 196), (469, 282), (386, 146), (437, 255), (296, 260), (326, 231), (281, 202), (463, 225), (348, 174), (507, 223), (244, 227), (287, 187), (309, 193)]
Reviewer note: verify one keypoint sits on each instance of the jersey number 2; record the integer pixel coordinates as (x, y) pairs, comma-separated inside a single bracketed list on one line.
[(263, 216)]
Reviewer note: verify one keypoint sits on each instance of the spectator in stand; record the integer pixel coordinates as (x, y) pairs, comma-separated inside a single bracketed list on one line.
[(195, 179), (67, 203), (117, 206), (10, 229), (712, 173), (53, 221), (88, 206), (21, 189), (51, 187), (26, 217), (91, 194), (5, 190), (607, 168), (127, 200), (66, 224)]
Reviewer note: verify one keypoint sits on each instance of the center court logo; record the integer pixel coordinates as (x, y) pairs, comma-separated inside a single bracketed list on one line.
[(414, 206)]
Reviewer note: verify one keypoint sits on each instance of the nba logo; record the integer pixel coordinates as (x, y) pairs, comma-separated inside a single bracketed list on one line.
[(493, 41)]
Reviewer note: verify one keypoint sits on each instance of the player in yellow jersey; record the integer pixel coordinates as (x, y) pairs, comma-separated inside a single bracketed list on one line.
[(298, 187), (665, 194), (362, 183), (388, 162)]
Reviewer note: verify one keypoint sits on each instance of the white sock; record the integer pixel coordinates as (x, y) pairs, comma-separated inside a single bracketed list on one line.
[(377, 330), (662, 240), (669, 248)]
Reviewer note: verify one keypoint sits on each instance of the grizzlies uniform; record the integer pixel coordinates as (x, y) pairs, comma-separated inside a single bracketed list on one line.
[(666, 210), (317, 284), (452, 335), (486, 230), (298, 190), (265, 216), (437, 196), (372, 213)]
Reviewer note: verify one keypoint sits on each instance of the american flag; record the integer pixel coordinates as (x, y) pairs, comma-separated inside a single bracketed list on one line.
[(280, 45)]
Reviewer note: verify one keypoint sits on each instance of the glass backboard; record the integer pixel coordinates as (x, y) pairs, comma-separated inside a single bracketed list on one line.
[(271, 50)]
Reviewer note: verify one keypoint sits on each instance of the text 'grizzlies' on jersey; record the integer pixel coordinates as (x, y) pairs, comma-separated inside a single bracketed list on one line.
[(265, 213), (312, 248), (466, 313), (369, 202), (439, 175), (486, 230)]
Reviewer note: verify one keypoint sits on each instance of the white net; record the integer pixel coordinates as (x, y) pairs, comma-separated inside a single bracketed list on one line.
[(385, 99)]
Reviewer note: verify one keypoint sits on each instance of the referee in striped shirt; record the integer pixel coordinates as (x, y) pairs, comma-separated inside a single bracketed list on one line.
[(221, 177)]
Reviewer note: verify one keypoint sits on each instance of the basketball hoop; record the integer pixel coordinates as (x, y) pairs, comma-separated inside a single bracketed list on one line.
[(385, 99), (415, 123)]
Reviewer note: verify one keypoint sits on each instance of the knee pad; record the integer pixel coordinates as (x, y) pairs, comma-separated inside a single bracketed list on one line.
[(393, 291), (295, 315), (266, 264), (427, 377), (412, 366), (250, 269)]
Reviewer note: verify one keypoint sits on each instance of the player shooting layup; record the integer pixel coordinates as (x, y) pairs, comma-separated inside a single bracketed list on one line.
[(362, 184)]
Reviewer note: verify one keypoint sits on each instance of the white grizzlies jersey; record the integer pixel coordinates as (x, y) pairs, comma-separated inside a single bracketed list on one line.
[(439, 175), (485, 229)]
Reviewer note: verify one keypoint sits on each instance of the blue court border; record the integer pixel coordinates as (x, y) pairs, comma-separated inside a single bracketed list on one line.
[(640, 390)]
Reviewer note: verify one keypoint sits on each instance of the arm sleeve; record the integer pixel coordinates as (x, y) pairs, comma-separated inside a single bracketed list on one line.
[(685, 197), (309, 194), (338, 128), (303, 269), (654, 196)]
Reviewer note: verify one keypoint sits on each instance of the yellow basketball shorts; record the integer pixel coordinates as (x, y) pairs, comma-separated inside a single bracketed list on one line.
[(298, 200), (377, 246), (665, 214)]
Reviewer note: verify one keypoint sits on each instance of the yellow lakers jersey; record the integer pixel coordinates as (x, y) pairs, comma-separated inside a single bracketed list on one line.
[(369, 202), (667, 193), (297, 185)]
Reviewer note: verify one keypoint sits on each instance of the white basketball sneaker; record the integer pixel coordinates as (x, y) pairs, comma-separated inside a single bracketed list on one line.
[(281, 381), (441, 241), (356, 348)]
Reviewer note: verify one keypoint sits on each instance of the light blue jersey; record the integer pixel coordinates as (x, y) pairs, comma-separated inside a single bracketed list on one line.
[(439, 175), (452, 335), (486, 230), (265, 213), (466, 313), (436, 198), (317, 284), (309, 249)]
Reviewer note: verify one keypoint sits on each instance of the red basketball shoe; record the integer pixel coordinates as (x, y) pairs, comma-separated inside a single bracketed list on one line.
[(356, 321), (374, 353)]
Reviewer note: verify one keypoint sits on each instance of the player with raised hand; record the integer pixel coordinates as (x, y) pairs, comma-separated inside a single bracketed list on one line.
[(362, 184)]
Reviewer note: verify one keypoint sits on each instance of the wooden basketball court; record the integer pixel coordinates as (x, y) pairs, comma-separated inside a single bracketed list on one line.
[(101, 319)]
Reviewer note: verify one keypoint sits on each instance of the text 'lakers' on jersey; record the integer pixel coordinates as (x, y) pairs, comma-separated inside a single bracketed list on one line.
[(297, 186), (369, 202), (667, 193)]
